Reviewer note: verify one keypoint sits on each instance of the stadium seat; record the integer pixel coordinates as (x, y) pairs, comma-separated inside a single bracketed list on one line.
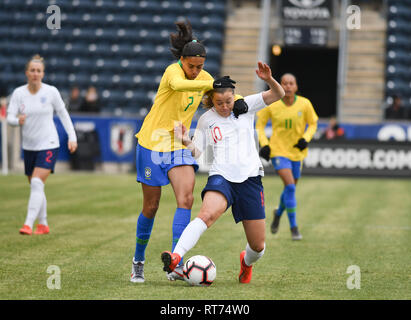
[(59, 80), (398, 58), (6, 18), (39, 33), (61, 64), (24, 18), (80, 79), (4, 32), (171, 7), (398, 71), (102, 78), (399, 41), (116, 45), (398, 27)]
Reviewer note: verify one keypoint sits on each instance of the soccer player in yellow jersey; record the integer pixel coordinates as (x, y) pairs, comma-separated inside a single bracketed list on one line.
[(294, 123), (161, 159)]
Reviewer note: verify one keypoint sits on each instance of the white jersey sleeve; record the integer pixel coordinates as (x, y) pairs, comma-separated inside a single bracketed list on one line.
[(13, 110), (199, 139), (60, 108), (255, 102)]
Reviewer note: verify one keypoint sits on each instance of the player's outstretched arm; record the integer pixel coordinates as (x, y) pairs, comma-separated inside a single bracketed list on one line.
[(181, 133), (276, 92)]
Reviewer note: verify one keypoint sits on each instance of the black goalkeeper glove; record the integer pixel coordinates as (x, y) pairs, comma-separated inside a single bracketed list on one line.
[(265, 152), (301, 144), (224, 82), (240, 107)]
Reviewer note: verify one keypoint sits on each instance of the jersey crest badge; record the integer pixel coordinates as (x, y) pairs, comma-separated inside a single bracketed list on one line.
[(147, 172)]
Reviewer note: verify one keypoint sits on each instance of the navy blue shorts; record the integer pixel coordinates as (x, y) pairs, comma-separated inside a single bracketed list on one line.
[(246, 198), (42, 159), (152, 166)]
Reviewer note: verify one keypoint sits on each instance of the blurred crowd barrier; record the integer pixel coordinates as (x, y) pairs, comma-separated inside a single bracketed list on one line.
[(108, 144)]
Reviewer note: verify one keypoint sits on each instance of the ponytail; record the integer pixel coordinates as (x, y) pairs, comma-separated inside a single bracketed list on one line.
[(183, 43)]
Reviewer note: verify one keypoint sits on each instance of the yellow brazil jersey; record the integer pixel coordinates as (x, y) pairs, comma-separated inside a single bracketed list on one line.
[(289, 124), (177, 100)]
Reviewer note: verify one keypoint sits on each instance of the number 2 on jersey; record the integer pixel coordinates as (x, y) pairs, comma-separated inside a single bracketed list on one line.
[(49, 156)]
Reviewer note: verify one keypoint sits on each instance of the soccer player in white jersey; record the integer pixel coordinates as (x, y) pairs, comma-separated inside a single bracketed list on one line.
[(235, 174), (32, 107)]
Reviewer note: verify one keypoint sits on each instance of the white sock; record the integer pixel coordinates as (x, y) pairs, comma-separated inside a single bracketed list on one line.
[(252, 256), (135, 262), (35, 200), (43, 212), (190, 236)]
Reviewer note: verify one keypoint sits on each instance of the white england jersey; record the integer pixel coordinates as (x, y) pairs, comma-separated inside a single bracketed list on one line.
[(39, 131), (232, 141)]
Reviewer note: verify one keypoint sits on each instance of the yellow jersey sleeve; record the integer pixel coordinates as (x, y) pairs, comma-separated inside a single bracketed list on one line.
[(262, 118), (176, 101), (178, 82), (311, 119)]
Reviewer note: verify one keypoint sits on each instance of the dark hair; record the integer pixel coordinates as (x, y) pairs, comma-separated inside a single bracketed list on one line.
[(183, 43), (208, 96)]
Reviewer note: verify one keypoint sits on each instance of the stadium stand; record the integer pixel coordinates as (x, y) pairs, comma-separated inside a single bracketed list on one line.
[(120, 47), (398, 60)]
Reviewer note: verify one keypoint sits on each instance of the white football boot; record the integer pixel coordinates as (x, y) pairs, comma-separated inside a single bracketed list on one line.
[(137, 272), (177, 274)]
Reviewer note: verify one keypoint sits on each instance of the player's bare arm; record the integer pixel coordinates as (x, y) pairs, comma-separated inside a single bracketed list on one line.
[(276, 92)]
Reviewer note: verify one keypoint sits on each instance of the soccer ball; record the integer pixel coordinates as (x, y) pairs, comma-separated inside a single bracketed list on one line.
[(199, 271)]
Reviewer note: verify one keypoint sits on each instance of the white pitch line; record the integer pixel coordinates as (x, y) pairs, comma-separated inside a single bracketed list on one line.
[(367, 226)]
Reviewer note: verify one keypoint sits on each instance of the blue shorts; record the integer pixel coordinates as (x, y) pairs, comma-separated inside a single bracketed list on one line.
[(152, 166), (42, 159), (246, 198), (285, 163)]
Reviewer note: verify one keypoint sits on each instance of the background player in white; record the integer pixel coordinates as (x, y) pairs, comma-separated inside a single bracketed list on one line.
[(32, 107), (235, 174)]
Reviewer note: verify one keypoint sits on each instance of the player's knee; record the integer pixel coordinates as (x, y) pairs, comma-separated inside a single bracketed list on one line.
[(290, 189), (258, 246), (37, 184), (150, 208), (207, 217), (185, 201)]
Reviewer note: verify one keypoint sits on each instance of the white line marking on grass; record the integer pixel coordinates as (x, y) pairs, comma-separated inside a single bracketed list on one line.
[(367, 226)]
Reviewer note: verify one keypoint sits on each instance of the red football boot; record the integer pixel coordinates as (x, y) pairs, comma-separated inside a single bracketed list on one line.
[(246, 272)]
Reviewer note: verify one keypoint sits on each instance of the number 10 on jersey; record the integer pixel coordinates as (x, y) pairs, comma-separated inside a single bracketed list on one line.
[(216, 134)]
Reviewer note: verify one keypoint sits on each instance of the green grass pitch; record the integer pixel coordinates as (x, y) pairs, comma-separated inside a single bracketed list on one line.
[(344, 222)]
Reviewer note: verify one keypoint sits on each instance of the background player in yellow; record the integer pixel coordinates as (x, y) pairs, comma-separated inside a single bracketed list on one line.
[(294, 123), (159, 160)]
